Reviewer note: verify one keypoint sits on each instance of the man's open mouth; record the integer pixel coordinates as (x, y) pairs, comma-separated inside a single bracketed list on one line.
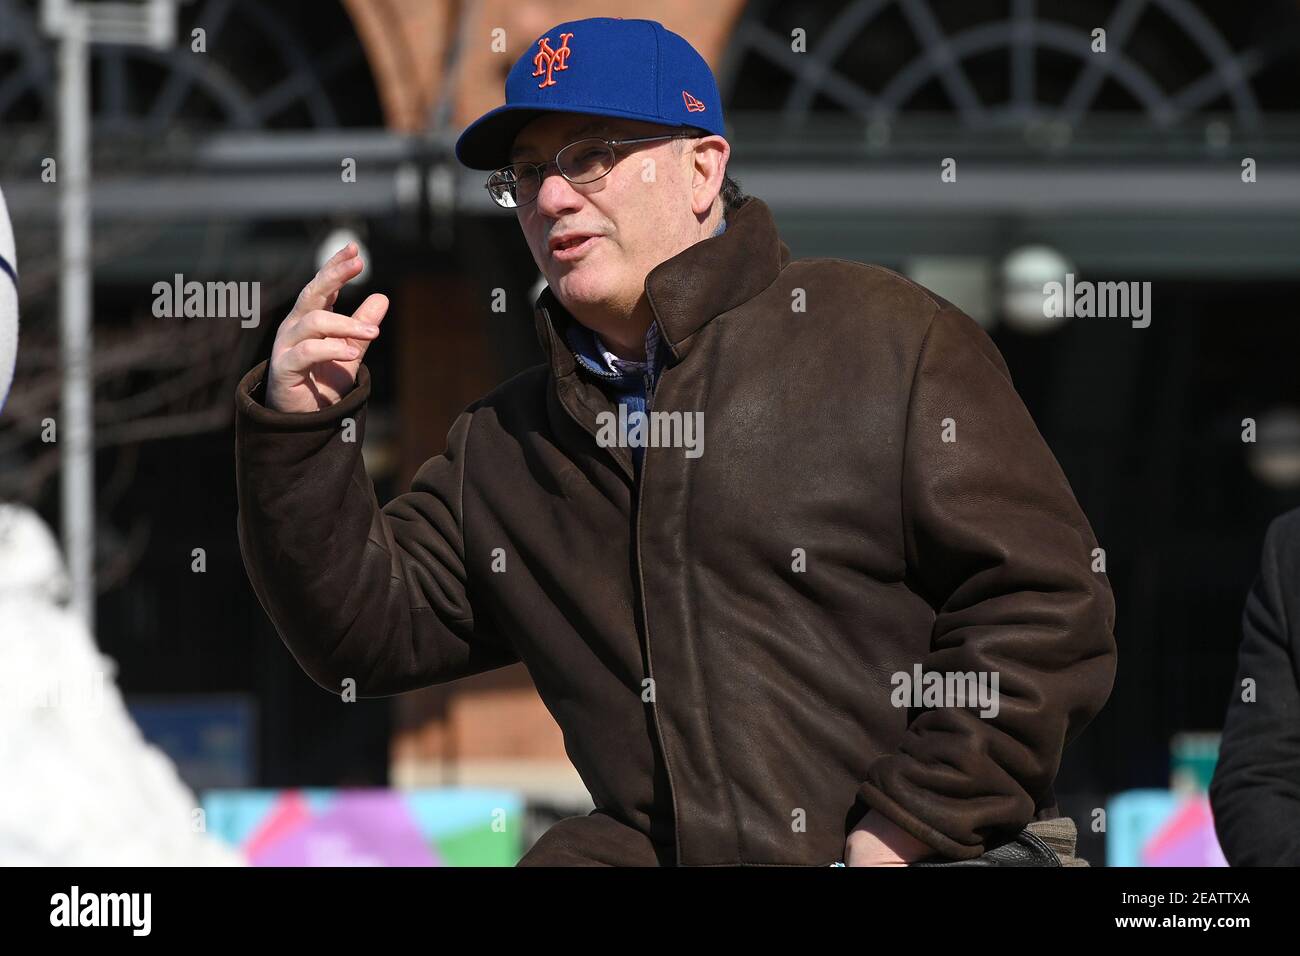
[(569, 247)]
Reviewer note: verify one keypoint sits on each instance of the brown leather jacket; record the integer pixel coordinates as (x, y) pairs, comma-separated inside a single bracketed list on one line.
[(717, 640)]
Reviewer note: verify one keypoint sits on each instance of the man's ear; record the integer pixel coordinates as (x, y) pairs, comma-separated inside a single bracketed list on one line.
[(709, 157)]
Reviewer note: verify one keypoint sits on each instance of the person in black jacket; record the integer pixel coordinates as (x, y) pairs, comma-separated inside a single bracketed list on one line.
[(1255, 793)]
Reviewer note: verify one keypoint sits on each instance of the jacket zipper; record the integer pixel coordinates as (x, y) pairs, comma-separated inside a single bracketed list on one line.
[(645, 616), (645, 629)]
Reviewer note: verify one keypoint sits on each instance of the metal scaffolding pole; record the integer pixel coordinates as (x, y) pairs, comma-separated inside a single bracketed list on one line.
[(77, 25), (77, 490)]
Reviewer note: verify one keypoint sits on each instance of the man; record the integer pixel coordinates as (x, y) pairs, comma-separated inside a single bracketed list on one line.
[(842, 489), (1255, 793)]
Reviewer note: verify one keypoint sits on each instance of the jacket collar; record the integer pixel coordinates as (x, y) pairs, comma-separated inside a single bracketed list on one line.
[(688, 291)]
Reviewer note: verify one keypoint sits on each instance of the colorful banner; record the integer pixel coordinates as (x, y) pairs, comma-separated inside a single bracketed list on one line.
[(369, 827)]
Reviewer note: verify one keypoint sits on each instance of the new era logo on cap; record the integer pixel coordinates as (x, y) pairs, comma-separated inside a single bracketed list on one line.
[(603, 66)]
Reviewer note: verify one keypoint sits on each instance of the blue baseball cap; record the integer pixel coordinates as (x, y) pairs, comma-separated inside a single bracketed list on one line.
[(604, 66)]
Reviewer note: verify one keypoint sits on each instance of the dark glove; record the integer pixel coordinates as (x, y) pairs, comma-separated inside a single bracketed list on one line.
[(1024, 849)]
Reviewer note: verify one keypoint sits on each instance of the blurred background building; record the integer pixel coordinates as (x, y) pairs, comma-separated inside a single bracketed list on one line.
[(227, 158)]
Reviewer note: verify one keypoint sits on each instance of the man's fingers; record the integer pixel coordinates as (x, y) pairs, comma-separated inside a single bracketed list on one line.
[(323, 325), (347, 252), (310, 352), (332, 277), (373, 310), (369, 314)]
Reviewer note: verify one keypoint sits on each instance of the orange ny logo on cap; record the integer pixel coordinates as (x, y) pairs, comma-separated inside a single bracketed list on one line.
[(692, 104), (547, 59)]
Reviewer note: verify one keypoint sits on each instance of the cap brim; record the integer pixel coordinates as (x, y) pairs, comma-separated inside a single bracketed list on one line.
[(486, 142)]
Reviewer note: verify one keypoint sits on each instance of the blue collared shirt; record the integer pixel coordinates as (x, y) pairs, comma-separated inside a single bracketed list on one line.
[(628, 382)]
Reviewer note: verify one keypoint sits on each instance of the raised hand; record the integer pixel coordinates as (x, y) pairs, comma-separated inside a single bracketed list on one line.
[(316, 353)]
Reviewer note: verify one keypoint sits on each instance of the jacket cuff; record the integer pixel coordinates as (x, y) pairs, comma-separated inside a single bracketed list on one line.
[(873, 798), (251, 392)]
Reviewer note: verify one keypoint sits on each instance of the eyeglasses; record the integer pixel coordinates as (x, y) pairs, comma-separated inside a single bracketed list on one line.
[(580, 163)]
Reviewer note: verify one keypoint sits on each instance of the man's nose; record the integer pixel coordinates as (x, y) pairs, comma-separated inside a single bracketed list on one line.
[(557, 195)]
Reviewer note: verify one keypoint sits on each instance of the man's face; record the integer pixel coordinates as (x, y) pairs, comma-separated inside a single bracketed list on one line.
[(596, 242)]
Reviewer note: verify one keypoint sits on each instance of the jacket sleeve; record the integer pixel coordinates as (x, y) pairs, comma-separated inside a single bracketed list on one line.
[(1255, 793), (378, 595), (997, 543)]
